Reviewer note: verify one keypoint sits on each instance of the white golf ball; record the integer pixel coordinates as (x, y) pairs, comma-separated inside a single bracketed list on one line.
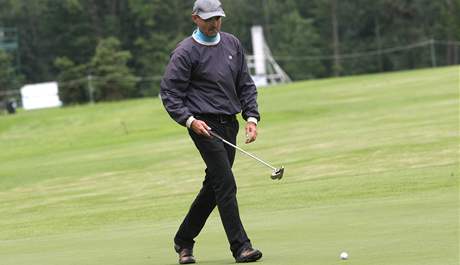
[(344, 255)]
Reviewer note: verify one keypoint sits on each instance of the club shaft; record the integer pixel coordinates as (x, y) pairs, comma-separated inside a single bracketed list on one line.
[(241, 150)]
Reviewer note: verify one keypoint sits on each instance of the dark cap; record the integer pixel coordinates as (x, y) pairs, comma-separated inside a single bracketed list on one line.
[(208, 9)]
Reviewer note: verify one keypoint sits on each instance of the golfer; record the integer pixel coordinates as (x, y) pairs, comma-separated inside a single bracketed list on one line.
[(205, 85)]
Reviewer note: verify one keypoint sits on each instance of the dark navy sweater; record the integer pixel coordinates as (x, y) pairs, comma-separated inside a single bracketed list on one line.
[(202, 79)]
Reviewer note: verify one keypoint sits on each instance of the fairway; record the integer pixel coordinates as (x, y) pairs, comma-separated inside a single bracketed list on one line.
[(372, 168)]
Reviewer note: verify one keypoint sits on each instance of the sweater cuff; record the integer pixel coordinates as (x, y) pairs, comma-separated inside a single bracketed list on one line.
[(252, 119), (189, 121)]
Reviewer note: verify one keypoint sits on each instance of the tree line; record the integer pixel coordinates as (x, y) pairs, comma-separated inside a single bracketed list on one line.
[(115, 49)]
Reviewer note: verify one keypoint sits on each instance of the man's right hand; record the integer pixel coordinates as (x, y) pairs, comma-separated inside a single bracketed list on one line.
[(201, 128)]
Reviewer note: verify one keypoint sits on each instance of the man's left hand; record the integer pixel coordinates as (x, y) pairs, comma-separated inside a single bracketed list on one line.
[(251, 132)]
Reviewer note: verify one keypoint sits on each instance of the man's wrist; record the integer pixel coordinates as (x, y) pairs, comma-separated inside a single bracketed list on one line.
[(252, 119), (189, 121)]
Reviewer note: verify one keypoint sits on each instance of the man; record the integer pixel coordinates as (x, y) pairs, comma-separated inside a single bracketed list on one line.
[(207, 83)]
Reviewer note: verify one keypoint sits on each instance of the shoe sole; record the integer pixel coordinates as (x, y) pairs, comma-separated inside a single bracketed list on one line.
[(187, 262), (250, 258)]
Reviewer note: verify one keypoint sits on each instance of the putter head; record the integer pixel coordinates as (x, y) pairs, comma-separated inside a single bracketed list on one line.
[(278, 173)]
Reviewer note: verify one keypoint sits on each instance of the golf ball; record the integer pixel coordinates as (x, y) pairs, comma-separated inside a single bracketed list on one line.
[(344, 255)]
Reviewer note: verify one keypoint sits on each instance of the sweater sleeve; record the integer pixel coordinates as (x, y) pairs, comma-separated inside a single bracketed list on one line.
[(174, 85), (247, 89)]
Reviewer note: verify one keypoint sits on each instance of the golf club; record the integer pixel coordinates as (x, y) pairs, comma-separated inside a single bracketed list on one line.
[(277, 172)]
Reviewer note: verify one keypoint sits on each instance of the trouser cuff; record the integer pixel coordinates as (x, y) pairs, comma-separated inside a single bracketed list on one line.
[(180, 245)]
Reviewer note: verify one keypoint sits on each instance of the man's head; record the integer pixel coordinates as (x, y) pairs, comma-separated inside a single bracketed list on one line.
[(207, 16)]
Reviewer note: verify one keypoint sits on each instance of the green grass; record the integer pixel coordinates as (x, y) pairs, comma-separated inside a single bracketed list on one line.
[(372, 167)]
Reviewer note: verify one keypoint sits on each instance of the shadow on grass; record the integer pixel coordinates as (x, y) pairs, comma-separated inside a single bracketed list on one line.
[(213, 262)]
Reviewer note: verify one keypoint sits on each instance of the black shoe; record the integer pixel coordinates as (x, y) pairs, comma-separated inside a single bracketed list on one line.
[(248, 255), (185, 255)]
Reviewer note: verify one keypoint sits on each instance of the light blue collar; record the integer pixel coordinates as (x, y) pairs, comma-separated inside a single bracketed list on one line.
[(201, 38)]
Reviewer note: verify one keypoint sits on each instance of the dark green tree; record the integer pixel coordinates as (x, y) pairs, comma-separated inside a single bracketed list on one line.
[(449, 26), (294, 37), (113, 80), (9, 79), (26, 17), (159, 26), (149, 30), (68, 31), (73, 87)]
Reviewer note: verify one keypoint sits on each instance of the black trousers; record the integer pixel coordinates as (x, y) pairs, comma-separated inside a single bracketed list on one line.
[(219, 187)]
